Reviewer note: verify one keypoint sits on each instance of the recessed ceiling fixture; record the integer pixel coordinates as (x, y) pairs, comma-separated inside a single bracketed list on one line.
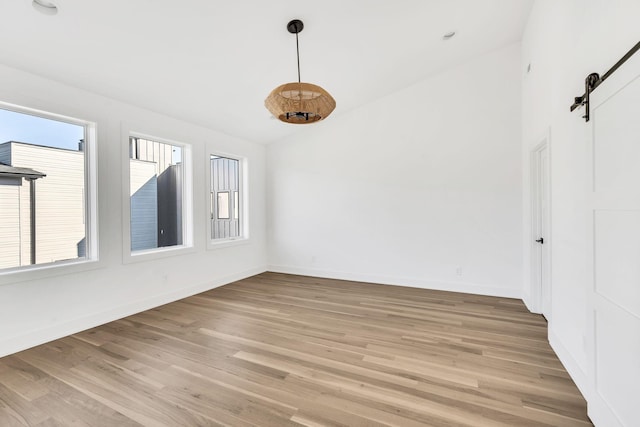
[(449, 35), (45, 7), (299, 102)]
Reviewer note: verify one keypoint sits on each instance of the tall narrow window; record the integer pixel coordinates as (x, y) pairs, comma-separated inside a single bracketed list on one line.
[(44, 188), (226, 207), (156, 184)]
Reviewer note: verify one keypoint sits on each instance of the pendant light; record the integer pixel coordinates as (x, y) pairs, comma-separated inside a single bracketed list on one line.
[(299, 102)]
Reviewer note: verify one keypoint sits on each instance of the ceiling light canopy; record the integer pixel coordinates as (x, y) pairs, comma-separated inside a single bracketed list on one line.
[(299, 102)]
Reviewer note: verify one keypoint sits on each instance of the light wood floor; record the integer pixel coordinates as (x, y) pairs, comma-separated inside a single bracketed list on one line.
[(278, 350)]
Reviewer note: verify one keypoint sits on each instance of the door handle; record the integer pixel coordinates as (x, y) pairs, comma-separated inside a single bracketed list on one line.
[(540, 240)]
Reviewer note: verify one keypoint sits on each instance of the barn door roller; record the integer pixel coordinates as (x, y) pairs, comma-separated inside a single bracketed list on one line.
[(594, 80)]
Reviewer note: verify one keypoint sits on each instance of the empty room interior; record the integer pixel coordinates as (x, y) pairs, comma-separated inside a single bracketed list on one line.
[(345, 213)]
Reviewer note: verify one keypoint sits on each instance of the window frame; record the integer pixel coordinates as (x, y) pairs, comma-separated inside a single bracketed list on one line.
[(90, 205), (243, 200), (187, 245)]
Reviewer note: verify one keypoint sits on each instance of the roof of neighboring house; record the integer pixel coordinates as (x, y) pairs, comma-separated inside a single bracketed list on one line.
[(14, 172), (31, 144)]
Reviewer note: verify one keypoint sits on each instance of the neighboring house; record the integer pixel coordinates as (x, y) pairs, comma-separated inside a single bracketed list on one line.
[(225, 198), (59, 200), (155, 186), (14, 233), (143, 184), (59, 221)]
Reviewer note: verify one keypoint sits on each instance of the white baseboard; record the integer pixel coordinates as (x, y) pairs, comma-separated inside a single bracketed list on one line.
[(465, 287), (526, 298), (36, 337), (601, 414), (599, 411), (578, 375)]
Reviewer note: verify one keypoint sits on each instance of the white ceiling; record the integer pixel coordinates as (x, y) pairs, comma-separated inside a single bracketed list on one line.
[(213, 62)]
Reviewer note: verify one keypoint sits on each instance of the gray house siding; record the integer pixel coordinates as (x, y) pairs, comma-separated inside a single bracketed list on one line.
[(144, 205), (5, 153), (156, 194), (10, 255), (170, 206), (225, 184)]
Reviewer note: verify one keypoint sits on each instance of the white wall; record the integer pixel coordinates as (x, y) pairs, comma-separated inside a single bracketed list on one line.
[(60, 301), (565, 41), (409, 188)]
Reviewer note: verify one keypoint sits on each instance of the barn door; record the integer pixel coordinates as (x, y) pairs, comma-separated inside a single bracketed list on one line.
[(614, 252)]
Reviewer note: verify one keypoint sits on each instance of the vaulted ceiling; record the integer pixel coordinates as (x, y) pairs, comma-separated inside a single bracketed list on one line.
[(213, 62)]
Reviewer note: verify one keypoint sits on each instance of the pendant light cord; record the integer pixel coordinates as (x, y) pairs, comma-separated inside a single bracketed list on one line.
[(298, 55)]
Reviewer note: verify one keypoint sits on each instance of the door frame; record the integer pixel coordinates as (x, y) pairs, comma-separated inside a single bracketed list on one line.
[(536, 285)]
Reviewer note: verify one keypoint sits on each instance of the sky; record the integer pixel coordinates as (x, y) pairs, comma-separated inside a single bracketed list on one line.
[(23, 127), (36, 130)]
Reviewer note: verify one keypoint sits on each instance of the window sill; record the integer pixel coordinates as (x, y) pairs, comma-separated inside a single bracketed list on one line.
[(44, 271), (226, 243), (158, 253)]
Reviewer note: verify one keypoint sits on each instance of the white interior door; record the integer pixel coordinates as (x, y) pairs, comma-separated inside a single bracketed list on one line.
[(614, 252), (540, 228)]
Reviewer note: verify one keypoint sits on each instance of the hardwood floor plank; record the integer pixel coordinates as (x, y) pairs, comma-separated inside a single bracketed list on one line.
[(286, 350), (14, 409)]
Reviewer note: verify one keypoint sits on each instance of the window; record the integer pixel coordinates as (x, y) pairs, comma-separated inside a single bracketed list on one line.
[(156, 190), (47, 205), (223, 205), (226, 197)]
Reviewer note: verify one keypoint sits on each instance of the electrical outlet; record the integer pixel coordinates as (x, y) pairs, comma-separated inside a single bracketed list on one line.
[(458, 271)]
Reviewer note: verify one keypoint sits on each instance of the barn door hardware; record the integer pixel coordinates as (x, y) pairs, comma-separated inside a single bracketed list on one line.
[(594, 80)]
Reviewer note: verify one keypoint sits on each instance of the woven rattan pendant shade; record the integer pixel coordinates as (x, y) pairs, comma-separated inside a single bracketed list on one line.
[(299, 102)]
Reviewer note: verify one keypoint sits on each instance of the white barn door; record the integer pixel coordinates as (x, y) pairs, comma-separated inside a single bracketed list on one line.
[(614, 252)]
